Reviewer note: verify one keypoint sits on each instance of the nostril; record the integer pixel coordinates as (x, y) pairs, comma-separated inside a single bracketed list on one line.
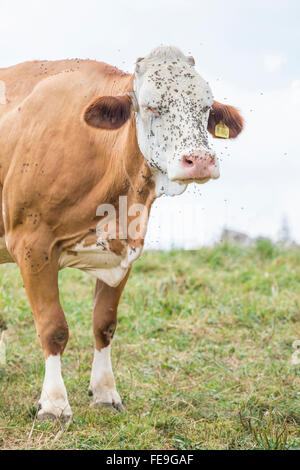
[(187, 161)]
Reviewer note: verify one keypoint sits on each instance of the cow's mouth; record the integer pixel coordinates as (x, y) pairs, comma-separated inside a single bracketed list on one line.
[(199, 180), (191, 180)]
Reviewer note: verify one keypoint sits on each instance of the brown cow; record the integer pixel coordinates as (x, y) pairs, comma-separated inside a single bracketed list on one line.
[(84, 151)]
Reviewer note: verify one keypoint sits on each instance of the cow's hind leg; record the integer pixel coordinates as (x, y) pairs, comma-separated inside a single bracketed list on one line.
[(102, 384), (40, 276)]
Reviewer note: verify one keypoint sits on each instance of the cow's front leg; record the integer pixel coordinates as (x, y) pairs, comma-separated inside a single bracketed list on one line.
[(53, 333), (53, 402), (102, 384), (40, 276)]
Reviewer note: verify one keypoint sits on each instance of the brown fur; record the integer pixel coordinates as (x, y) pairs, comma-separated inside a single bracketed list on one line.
[(56, 170), (229, 115)]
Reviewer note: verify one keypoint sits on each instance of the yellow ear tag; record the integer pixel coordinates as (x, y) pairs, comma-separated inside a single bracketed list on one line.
[(221, 130)]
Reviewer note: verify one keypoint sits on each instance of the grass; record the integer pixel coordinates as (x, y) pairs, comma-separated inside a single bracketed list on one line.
[(202, 355)]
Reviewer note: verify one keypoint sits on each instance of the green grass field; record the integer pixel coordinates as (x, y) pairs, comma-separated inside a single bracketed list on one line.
[(202, 355)]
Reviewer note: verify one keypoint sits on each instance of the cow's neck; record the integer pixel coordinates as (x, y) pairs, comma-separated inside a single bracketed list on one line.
[(133, 177), (141, 184)]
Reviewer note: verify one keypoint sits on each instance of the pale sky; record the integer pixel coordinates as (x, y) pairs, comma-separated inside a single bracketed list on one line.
[(250, 54)]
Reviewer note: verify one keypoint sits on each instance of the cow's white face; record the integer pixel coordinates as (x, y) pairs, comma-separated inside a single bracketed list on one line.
[(173, 109)]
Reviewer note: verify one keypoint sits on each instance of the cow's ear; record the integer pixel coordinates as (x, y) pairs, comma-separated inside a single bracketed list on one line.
[(108, 112), (227, 115)]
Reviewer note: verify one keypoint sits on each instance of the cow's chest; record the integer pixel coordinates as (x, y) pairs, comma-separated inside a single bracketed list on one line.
[(100, 260)]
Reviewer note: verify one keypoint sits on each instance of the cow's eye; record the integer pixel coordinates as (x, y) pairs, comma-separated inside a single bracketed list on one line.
[(151, 110)]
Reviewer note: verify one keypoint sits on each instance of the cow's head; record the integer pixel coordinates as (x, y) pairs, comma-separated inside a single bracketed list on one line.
[(174, 110)]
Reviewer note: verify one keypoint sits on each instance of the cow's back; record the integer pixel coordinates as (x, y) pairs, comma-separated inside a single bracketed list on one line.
[(18, 81), (43, 100)]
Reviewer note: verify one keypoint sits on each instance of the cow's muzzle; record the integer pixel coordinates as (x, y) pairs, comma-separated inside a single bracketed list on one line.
[(198, 167)]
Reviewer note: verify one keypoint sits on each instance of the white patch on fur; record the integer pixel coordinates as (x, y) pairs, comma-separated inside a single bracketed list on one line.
[(99, 261), (102, 382), (164, 186), (54, 398), (166, 82), (132, 254), (96, 260)]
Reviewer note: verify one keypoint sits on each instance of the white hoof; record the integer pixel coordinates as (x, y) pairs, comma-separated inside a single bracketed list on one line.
[(53, 403), (58, 409), (106, 397)]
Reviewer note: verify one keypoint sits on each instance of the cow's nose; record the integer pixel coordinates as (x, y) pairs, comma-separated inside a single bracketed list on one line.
[(199, 159), (200, 166)]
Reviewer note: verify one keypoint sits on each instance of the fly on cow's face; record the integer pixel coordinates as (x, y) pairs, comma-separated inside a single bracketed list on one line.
[(153, 111)]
